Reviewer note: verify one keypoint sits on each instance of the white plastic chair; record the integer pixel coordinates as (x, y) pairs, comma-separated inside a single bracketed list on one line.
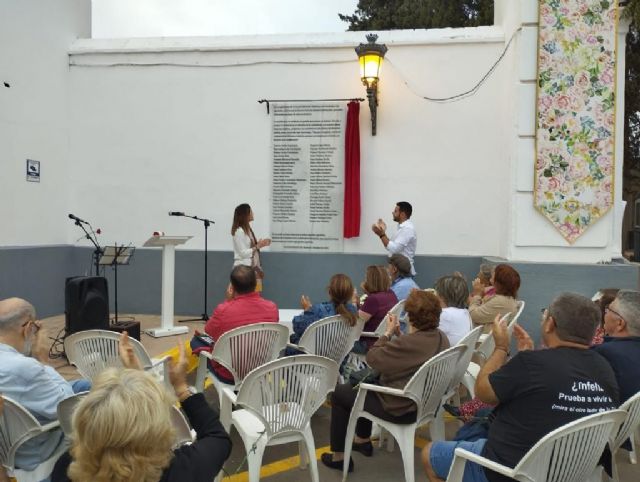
[(18, 426), (519, 309), (356, 361), (397, 310), (436, 428), (331, 337), (92, 351), (65, 411), (426, 388), (240, 350), (568, 454), (66, 407), (483, 350), (627, 430), (278, 400)]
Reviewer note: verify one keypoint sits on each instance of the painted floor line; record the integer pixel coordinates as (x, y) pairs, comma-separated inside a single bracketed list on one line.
[(290, 463)]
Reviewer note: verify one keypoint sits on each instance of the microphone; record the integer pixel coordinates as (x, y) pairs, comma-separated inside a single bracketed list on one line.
[(176, 213), (76, 218)]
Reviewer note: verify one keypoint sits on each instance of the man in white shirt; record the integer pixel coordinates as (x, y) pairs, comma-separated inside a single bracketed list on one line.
[(404, 240)]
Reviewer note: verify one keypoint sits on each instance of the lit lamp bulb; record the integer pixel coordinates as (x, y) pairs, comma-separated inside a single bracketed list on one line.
[(370, 68), (370, 56)]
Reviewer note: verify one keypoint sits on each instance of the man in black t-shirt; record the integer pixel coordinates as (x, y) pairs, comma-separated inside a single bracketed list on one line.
[(536, 391)]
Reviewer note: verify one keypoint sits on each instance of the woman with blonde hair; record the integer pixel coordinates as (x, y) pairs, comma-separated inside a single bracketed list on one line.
[(340, 291), (122, 429), (246, 247)]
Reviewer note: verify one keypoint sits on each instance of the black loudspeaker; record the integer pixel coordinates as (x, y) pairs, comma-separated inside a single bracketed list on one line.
[(131, 327), (86, 304)]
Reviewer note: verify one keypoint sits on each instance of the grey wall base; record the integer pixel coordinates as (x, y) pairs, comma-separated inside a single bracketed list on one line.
[(38, 274)]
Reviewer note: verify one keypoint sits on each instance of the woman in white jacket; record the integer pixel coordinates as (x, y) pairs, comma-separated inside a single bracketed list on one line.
[(246, 247)]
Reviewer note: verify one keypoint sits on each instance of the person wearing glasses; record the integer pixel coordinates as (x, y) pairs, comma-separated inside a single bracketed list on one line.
[(621, 344), (27, 378), (535, 391)]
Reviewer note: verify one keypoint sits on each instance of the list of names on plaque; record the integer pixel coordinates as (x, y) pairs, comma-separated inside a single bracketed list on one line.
[(308, 177)]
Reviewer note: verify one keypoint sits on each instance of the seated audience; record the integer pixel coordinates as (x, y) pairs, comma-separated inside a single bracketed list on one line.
[(396, 359), (122, 430), (621, 344), (536, 391), (455, 321), (340, 291), (243, 306), (484, 277), (399, 268), (26, 377), (603, 299), (506, 282), (379, 297)]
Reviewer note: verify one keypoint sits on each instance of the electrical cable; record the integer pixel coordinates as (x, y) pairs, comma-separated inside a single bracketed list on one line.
[(469, 92), (57, 347), (452, 98)]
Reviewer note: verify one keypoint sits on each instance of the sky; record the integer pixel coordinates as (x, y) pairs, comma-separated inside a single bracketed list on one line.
[(171, 18)]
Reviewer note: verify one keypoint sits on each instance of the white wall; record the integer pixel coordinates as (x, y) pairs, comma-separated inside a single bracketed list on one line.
[(149, 139), (34, 39), (122, 142)]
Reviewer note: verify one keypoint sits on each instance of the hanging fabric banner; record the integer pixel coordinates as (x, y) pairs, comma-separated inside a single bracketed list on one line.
[(352, 205), (575, 113), (307, 193)]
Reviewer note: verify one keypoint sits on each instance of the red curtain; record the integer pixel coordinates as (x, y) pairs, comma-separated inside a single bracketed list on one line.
[(352, 172)]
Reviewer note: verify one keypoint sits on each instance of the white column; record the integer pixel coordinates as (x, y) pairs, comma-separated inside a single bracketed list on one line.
[(168, 281), (618, 203)]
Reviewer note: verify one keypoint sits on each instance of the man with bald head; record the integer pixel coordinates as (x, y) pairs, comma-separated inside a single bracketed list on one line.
[(27, 379), (243, 306)]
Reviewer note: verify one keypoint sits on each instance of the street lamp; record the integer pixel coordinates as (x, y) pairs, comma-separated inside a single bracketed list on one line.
[(370, 56)]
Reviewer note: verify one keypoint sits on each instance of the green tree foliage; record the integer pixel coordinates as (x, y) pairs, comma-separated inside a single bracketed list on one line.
[(631, 182), (412, 14)]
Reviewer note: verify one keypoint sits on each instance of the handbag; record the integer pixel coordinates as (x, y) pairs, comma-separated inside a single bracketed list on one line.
[(365, 375)]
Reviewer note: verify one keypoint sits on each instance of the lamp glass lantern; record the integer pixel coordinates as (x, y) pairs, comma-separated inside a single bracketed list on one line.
[(370, 56), (370, 63)]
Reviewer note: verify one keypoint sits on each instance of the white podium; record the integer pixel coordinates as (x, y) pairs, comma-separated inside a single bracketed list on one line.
[(168, 245)]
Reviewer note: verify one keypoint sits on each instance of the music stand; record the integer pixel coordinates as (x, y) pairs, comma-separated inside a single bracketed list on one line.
[(113, 256)]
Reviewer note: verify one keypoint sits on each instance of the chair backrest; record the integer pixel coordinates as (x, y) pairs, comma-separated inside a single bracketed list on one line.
[(245, 348), (571, 452), (285, 393), (16, 425), (330, 337), (397, 310), (486, 347), (469, 341), (429, 383), (630, 424), (92, 351), (519, 309), (67, 406), (65, 411), (181, 427)]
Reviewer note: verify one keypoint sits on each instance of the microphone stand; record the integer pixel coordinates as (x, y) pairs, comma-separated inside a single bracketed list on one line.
[(207, 223), (96, 252)]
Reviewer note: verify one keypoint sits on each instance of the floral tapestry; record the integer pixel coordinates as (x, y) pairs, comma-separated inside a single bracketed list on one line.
[(575, 113)]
